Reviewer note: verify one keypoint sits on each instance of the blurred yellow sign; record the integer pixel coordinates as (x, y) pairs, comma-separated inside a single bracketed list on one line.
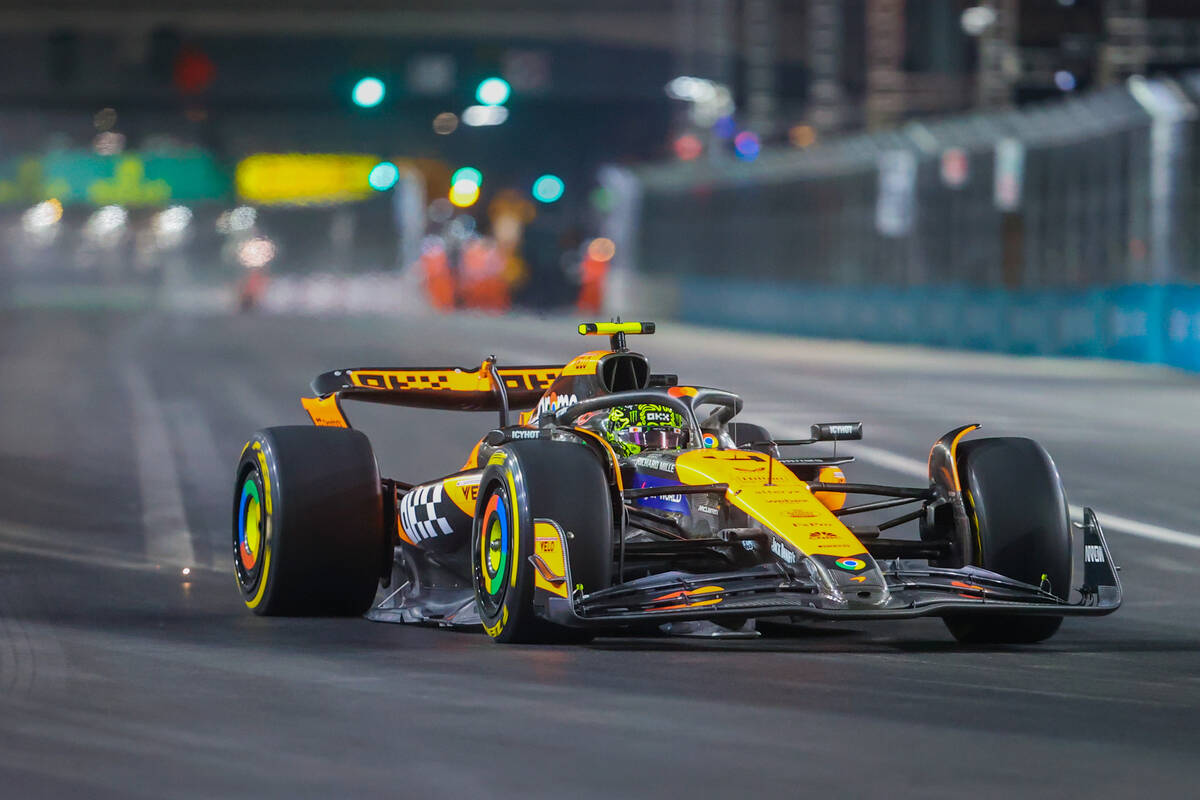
[(304, 178)]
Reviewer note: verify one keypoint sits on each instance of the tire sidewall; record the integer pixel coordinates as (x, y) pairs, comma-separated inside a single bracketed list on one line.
[(505, 619), (253, 466), (1021, 534)]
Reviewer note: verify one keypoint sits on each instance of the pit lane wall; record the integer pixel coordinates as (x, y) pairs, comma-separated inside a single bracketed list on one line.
[(1153, 324)]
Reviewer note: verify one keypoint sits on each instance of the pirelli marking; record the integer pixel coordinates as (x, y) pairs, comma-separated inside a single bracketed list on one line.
[(418, 513)]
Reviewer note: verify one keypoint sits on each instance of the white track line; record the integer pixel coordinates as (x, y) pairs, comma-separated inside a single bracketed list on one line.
[(168, 538), (199, 458), (1132, 527), (919, 469)]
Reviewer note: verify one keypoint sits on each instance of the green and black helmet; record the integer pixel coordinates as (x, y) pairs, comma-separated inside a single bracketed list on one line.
[(645, 426)]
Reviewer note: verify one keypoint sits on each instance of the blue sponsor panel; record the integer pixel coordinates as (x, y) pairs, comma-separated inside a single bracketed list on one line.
[(1182, 321), (664, 502), (984, 320), (1134, 324), (870, 315), (1079, 322), (938, 313), (1155, 324), (1028, 323)]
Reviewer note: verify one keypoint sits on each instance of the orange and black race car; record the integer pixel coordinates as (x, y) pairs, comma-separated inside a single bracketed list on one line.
[(610, 498)]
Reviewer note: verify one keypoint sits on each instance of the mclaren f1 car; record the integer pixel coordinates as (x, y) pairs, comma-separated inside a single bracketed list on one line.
[(612, 498)]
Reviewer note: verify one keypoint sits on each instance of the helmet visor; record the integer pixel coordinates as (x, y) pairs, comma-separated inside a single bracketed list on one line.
[(656, 438)]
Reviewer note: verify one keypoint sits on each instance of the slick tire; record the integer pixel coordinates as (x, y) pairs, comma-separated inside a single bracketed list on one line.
[(524, 481), (1020, 528), (308, 529)]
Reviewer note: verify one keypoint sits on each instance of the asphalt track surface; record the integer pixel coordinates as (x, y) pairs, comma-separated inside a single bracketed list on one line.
[(120, 677)]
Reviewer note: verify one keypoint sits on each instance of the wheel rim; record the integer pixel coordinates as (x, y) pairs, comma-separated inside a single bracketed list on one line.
[(248, 536), (495, 546)]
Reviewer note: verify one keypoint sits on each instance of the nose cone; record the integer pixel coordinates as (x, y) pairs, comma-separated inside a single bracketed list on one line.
[(857, 577)]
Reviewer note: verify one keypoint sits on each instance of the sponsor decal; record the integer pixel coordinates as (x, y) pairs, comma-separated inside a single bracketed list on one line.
[(704, 509), (523, 433), (783, 551), (553, 402), (419, 513), (1093, 554), (654, 462), (852, 564), (663, 502), (710, 441), (462, 491), (823, 535)]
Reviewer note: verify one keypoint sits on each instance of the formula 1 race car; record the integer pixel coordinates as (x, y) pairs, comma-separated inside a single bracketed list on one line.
[(619, 500)]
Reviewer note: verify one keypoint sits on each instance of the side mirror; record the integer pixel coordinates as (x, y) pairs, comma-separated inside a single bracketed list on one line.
[(836, 431)]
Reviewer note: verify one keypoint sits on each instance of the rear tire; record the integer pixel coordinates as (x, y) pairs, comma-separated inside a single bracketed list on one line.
[(561, 481), (1021, 528), (308, 522)]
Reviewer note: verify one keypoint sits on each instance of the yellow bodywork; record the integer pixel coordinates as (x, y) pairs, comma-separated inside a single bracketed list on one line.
[(785, 505), (550, 569)]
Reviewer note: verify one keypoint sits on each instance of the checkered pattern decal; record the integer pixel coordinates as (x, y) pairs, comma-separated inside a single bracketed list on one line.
[(418, 513)]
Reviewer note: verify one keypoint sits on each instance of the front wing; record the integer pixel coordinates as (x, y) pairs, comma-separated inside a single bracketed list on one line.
[(774, 590)]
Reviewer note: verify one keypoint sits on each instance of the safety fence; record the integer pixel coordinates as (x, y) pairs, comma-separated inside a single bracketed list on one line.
[(1068, 228)]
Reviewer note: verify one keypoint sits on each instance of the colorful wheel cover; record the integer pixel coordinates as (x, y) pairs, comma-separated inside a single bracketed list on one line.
[(495, 548), (248, 536)]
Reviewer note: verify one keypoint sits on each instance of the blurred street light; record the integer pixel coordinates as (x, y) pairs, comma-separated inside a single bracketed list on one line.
[(383, 176), (467, 174), (256, 253), (106, 225), (710, 101), (1064, 80), (464, 193), (479, 116), (977, 19), (368, 92), (44, 215), (802, 136), (170, 226), (105, 119), (493, 91), (548, 188), (746, 145), (688, 147), (445, 123)]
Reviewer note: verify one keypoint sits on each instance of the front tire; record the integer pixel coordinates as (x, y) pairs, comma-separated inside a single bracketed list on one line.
[(523, 481), (1021, 528), (308, 522)]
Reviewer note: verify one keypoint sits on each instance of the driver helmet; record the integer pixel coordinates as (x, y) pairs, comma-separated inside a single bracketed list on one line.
[(645, 426)]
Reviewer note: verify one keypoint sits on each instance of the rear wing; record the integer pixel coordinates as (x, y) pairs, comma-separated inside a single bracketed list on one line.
[(485, 388)]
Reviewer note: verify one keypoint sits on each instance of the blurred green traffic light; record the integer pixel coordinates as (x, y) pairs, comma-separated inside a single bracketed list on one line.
[(467, 174), (368, 92), (383, 176), (548, 188), (493, 91)]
